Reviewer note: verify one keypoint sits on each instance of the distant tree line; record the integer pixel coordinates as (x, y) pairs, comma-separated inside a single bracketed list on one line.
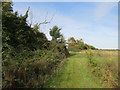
[(78, 45)]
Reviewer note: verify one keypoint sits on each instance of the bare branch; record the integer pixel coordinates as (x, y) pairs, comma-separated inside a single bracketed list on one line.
[(52, 17), (46, 22)]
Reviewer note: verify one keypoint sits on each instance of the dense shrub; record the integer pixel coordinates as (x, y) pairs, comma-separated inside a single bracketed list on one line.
[(29, 59), (32, 68)]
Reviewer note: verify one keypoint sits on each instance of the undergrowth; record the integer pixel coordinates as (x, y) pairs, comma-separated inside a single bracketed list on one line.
[(31, 68), (102, 67)]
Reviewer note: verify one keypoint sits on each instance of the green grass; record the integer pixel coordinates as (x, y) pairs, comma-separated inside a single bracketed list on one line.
[(77, 74)]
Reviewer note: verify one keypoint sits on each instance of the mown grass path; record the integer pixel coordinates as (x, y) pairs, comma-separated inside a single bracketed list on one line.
[(75, 74)]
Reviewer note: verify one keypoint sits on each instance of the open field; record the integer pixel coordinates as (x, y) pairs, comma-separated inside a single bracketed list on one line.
[(78, 72)]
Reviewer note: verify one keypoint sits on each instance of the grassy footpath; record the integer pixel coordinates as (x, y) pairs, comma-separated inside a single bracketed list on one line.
[(75, 74)]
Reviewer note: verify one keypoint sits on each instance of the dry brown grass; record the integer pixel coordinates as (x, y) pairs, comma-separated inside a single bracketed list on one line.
[(107, 65), (108, 62)]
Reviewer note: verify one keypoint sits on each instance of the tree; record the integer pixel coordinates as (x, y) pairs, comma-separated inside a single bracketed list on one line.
[(7, 7), (55, 33), (17, 33), (80, 43), (77, 45), (71, 42)]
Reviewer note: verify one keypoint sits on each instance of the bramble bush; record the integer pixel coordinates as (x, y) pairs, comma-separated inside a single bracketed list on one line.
[(31, 68), (28, 58)]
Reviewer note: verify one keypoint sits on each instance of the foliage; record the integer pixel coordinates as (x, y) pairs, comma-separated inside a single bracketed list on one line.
[(71, 41), (103, 65), (55, 33), (90, 56), (29, 59), (78, 45), (31, 68), (61, 39), (18, 33)]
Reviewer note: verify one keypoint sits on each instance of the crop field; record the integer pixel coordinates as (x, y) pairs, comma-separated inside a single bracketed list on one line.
[(88, 69)]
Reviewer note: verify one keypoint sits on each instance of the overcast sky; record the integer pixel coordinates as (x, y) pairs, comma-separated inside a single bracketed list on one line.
[(95, 22)]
